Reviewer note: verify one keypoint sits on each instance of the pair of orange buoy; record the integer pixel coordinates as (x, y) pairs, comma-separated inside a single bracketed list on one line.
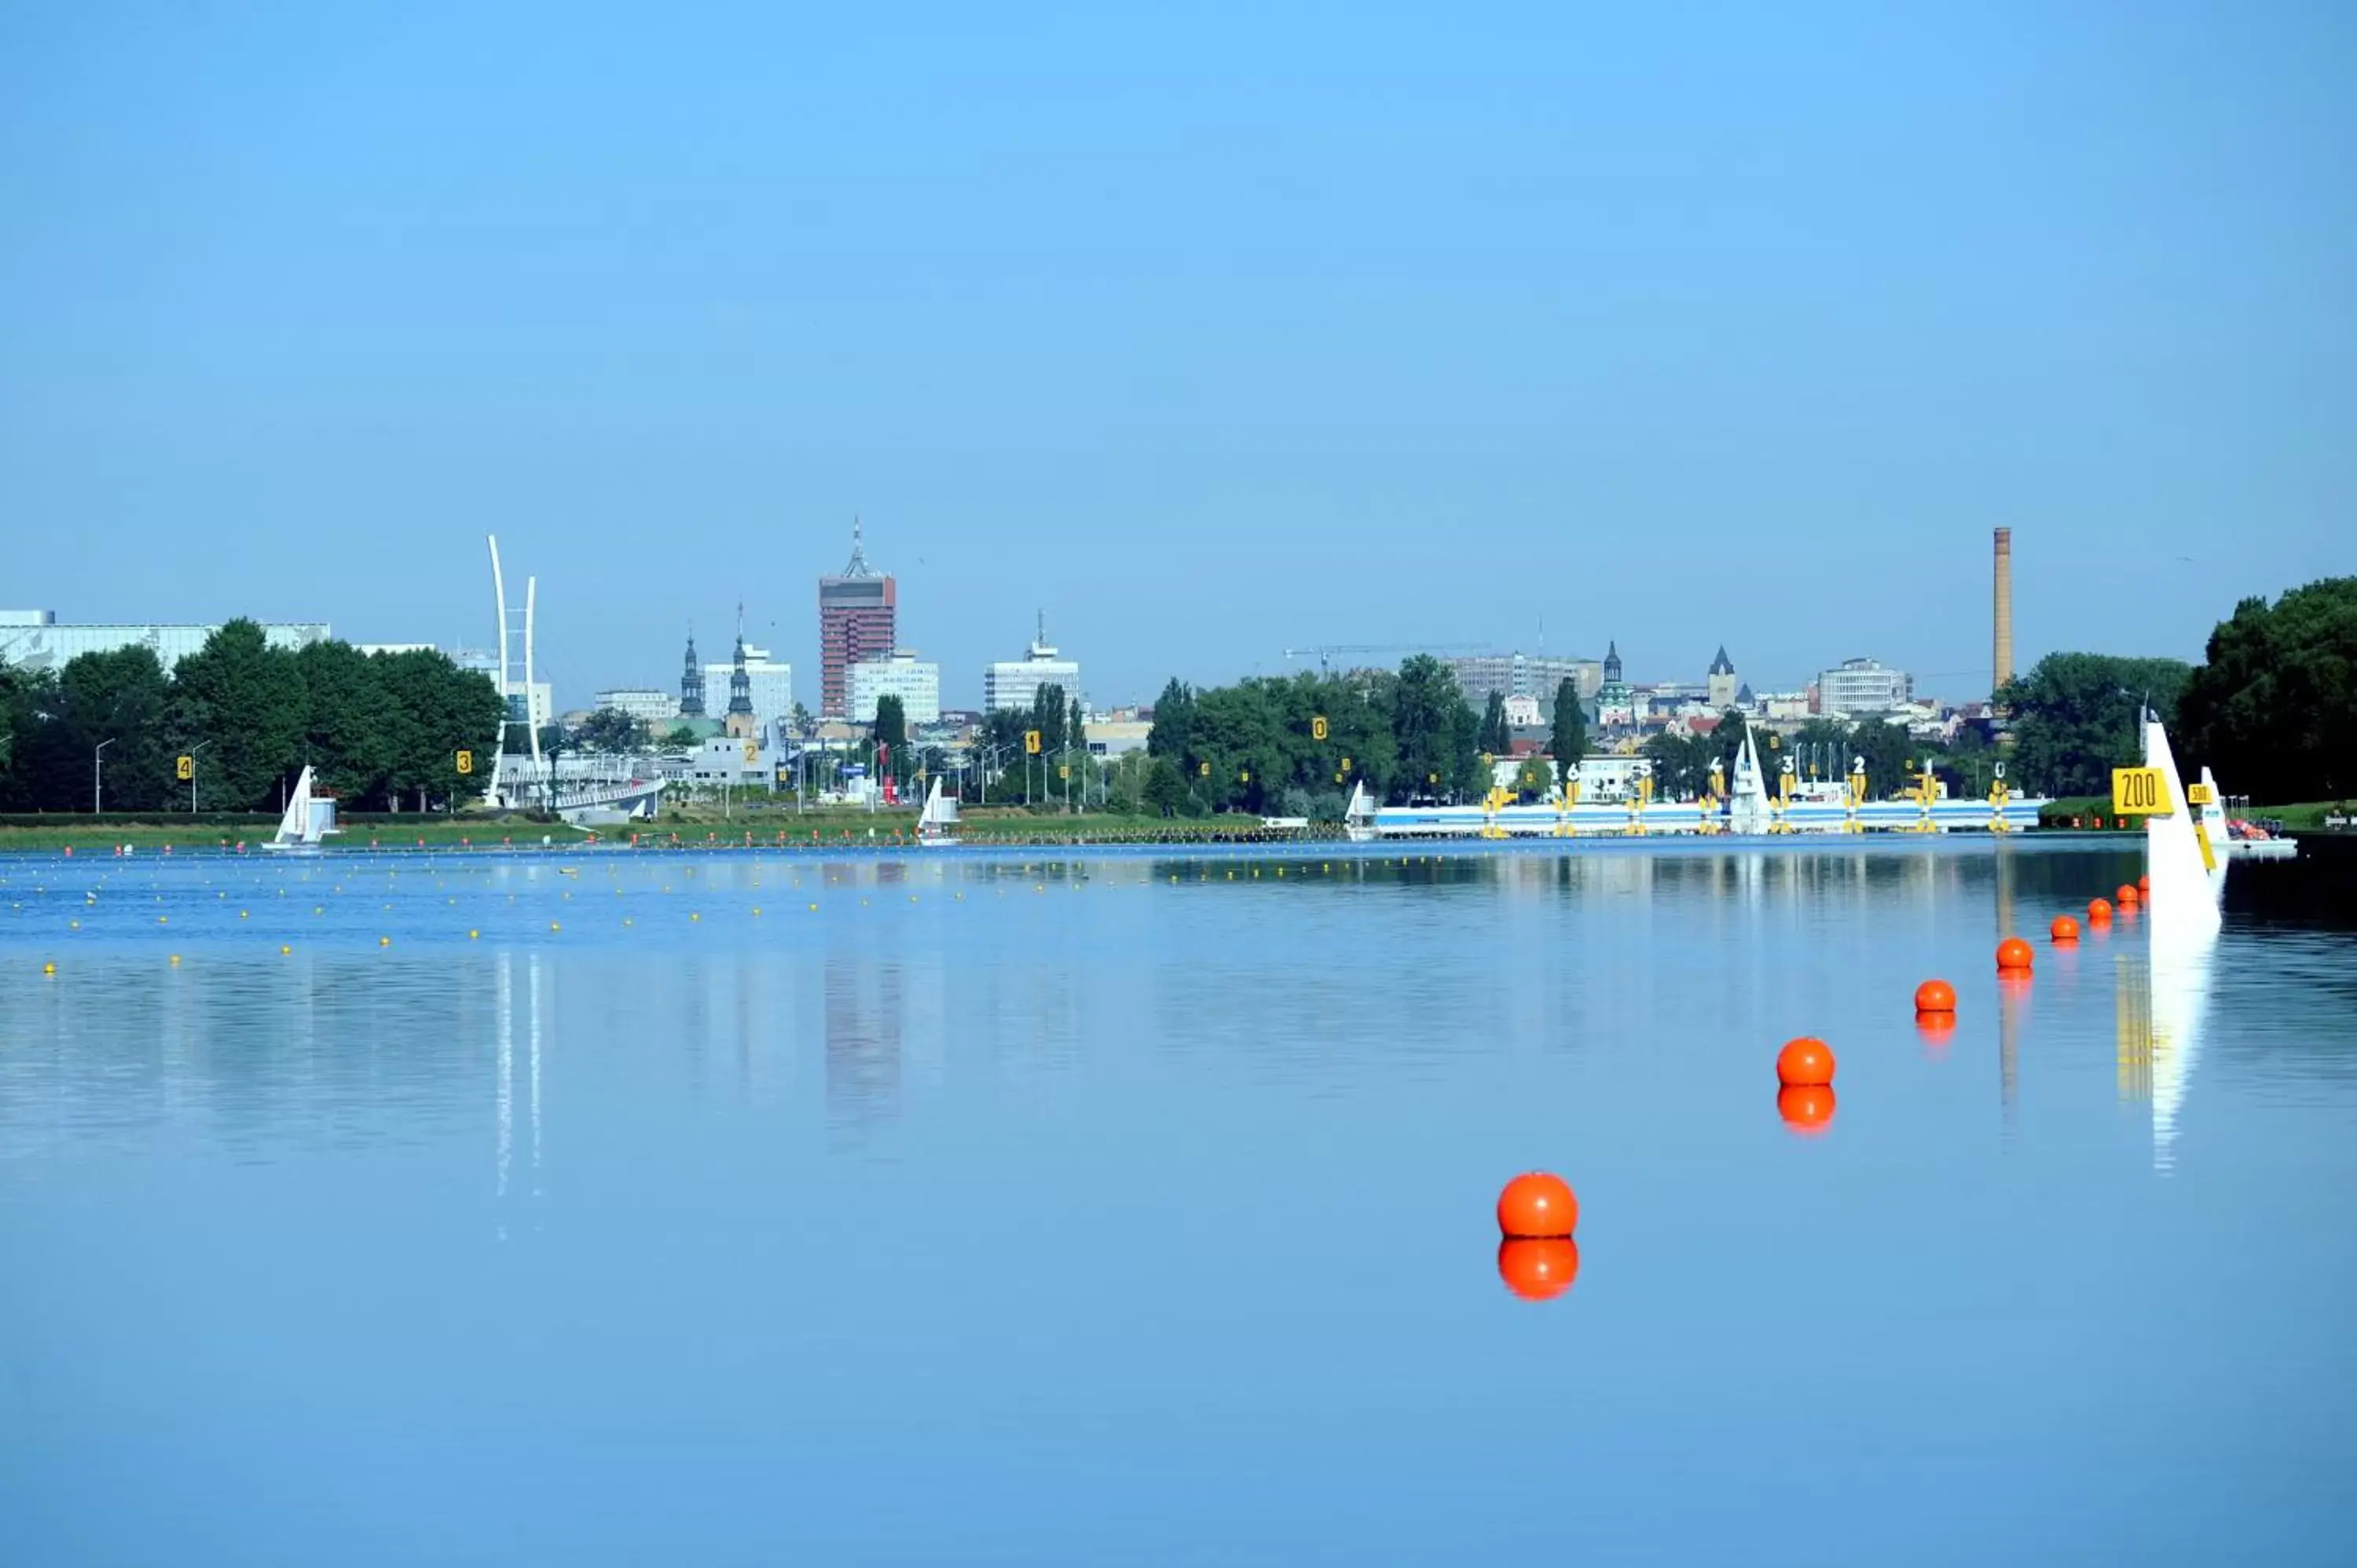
[(2014, 956), (2063, 932), (1804, 1075), (1537, 1259)]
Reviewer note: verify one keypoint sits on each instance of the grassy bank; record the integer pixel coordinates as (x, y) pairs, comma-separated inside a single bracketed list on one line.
[(2302, 816)]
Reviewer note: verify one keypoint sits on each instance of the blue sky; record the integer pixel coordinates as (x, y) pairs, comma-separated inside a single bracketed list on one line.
[(1212, 330)]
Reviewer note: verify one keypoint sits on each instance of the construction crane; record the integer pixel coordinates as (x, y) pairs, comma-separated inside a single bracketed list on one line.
[(1324, 652)]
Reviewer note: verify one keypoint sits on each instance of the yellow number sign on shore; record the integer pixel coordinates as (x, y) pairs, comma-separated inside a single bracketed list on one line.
[(2140, 792)]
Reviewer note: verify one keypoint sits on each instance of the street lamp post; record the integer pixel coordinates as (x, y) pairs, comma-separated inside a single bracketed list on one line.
[(193, 752), (97, 752)]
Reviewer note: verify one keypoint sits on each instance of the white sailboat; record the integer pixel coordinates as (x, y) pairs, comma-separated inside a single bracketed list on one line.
[(1359, 815), (2189, 879), (1748, 810), (309, 819), (936, 822)]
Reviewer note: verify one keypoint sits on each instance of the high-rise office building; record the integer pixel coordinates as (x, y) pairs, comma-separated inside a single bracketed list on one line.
[(769, 685), (857, 620), (1864, 686)]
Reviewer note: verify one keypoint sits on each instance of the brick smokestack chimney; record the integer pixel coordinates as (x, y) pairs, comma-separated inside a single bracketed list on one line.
[(2001, 649)]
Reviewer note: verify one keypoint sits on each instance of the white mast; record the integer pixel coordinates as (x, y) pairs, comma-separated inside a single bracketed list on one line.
[(500, 625), (530, 720)]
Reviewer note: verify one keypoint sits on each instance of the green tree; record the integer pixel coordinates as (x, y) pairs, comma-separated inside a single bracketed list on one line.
[(441, 711), (2273, 708), (1436, 732), (891, 726), (1174, 712), (679, 737), (120, 698), (1887, 748), (247, 699), (1568, 741), (1534, 780), (611, 732), (351, 724), (2076, 717), (1681, 763), (1496, 737)]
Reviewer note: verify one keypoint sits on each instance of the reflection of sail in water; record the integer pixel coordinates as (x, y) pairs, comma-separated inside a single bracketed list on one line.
[(2181, 997)]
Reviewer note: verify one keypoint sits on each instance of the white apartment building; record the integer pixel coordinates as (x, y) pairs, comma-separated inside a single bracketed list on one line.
[(1863, 686), (1015, 683), (646, 704), (772, 688), (37, 639), (917, 683)]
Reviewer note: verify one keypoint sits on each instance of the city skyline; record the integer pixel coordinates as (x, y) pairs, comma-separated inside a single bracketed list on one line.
[(1766, 321)]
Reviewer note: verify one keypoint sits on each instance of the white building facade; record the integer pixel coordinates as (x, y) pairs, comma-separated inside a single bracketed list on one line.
[(1863, 686), (646, 704), (917, 683), (771, 687), (1013, 682), (37, 639)]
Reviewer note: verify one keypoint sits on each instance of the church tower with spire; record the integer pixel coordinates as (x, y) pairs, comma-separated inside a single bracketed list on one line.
[(741, 722), (691, 682), (1615, 701), (1721, 683)]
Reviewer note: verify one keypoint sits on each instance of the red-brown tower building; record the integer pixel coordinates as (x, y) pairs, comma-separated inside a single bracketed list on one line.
[(856, 620)]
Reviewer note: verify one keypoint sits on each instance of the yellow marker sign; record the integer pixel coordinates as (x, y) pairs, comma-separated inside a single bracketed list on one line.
[(1346, 765), (2201, 795), (1204, 769), (184, 769), (1245, 776), (2140, 792), (1318, 727), (1031, 741), (465, 762), (752, 751), (1064, 771)]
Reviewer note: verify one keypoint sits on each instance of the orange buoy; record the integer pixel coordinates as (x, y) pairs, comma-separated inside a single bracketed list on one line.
[(2126, 896), (2099, 911), (1935, 996), (2013, 953), (1805, 1063), (2144, 885), (1538, 1268), (1806, 1108), (2063, 929), (1537, 1203)]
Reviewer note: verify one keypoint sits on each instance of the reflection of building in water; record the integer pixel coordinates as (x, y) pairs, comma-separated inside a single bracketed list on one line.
[(865, 1012)]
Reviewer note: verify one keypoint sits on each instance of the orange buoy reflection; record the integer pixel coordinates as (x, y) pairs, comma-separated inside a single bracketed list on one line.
[(1538, 1268), (1537, 1203), (1806, 1108), (1935, 1029)]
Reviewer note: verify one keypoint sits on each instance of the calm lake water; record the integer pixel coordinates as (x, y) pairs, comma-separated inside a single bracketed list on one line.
[(1134, 1208)]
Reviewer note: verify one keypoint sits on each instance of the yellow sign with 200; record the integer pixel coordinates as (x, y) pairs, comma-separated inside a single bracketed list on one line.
[(2140, 792)]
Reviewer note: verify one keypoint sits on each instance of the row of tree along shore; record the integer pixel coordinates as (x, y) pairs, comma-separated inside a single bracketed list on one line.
[(2273, 708), (384, 730)]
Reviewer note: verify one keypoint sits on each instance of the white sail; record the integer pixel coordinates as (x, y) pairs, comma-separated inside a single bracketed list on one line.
[(1748, 810), (294, 827), (941, 811), (2178, 859), (1359, 815)]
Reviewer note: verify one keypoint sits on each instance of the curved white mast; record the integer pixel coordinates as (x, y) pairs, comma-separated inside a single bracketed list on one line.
[(500, 625)]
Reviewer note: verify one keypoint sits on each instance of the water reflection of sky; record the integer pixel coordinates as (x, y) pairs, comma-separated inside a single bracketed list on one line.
[(1136, 1208)]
